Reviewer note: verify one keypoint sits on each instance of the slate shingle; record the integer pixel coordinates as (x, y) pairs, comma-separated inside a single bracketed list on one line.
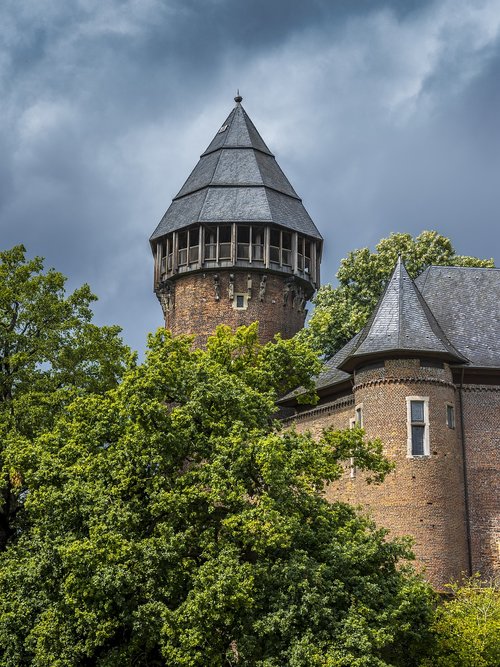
[(466, 303), (236, 168), (402, 322)]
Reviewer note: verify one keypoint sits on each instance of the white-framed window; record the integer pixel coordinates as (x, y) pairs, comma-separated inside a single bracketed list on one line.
[(240, 301), (450, 415), (417, 408)]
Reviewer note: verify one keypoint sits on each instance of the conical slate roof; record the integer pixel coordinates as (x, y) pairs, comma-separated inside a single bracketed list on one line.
[(237, 179), (401, 323)]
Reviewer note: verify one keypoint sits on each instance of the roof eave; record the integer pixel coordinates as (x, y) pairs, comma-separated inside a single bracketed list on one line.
[(354, 361)]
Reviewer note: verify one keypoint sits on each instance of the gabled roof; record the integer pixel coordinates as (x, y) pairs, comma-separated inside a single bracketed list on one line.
[(237, 179), (401, 323), (466, 303)]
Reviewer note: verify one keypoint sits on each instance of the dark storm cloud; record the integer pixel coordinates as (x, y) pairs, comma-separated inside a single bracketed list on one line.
[(384, 115)]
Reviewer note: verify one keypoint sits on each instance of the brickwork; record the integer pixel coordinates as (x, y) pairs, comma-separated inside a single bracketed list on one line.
[(336, 414), (424, 496), (195, 308), (481, 408)]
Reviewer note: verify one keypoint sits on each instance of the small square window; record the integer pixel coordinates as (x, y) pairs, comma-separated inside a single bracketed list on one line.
[(240, 302)]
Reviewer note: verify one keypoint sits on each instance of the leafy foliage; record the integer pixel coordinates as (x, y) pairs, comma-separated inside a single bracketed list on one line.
[(340, 312), (467, 627), (50, 352), (170, 521)]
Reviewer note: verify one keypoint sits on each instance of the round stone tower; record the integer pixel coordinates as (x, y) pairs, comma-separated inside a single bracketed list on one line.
[(403, 389), (236, 245)]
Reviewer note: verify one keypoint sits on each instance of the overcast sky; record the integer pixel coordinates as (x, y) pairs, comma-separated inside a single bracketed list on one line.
[(385, 116)]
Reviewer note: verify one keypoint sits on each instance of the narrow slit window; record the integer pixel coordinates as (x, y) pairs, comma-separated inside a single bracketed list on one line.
[(450, 416)]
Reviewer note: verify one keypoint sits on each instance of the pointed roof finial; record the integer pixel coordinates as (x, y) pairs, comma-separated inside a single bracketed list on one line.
[(238, 97)]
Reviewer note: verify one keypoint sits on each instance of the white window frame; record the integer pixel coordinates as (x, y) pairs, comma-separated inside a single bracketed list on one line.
[(425, 423), (245, 301)]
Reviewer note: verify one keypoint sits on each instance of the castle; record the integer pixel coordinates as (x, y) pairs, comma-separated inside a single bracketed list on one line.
[(237, 245)]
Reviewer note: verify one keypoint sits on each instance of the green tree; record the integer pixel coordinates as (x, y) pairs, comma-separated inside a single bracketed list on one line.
[(171, 522), (340, 312), (50, 352), (467, 627)]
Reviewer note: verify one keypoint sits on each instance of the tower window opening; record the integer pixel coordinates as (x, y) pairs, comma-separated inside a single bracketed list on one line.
[(243, 242), (257, 244), (170, 252), (274, 246), (163, 257), (224, 242), (300, 253), (418, 425), (194, 245), (182, 248), (286, 249), (307, 256), (210, 243)]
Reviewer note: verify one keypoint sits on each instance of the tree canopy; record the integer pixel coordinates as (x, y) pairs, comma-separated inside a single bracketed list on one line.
[(342, 311), (467, 626), (171, 521), (50, 352)]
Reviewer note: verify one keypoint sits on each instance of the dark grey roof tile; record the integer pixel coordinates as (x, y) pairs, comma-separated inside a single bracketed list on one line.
[(235, 204), (290, 212), (181, 213), (466, 303), (237, 167), (226, 185), (272, 174), (402, 322), (201, 176)]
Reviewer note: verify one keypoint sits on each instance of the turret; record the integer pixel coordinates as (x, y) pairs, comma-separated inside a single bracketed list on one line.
[(236, 245)]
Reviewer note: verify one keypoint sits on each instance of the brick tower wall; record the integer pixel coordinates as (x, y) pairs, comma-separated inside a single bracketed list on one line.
[(481, 408), (424, 496), (197, 310)]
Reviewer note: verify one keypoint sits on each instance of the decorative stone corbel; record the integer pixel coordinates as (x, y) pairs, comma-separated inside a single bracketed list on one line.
[(230, 289), (287, 289), (217, 287), (166, 297), (262, 287), (249, 286)]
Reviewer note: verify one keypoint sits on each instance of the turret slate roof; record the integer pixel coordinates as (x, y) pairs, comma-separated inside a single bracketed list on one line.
[(450, 312), (402, 322), (237, 179)]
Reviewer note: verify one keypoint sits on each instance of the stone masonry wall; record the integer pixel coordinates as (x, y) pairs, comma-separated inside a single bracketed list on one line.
[(424, 496), (196, 310), (481, 408)]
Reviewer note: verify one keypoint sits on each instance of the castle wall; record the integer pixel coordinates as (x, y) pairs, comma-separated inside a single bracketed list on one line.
[(335, 414), (195, 308), (481, 411), (424, 496)]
